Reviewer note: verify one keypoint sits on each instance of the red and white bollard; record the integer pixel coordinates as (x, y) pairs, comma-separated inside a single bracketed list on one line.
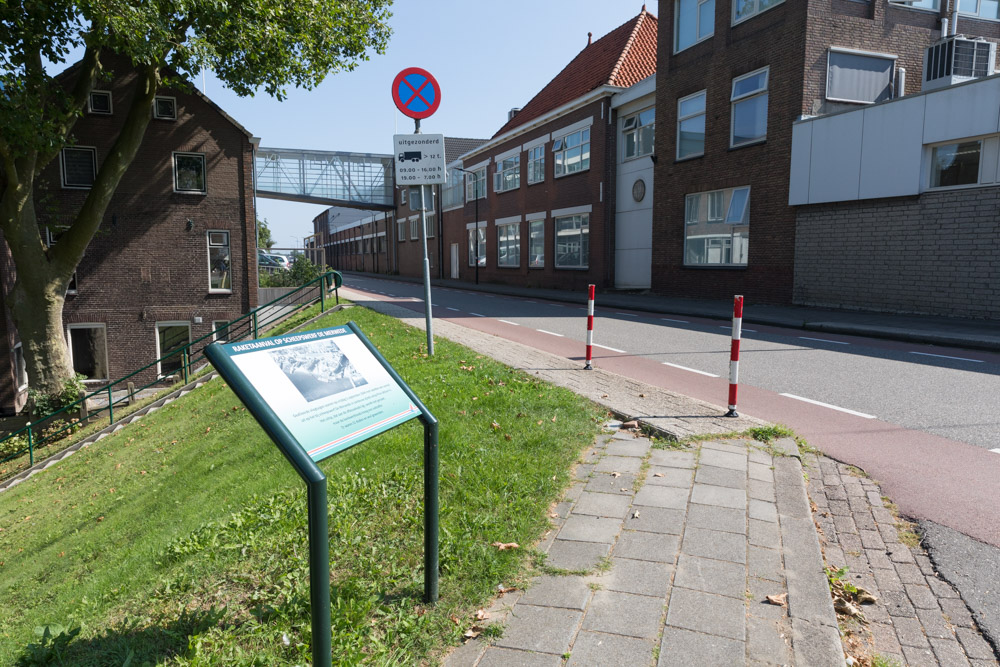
[(734, 354), (590, 327)]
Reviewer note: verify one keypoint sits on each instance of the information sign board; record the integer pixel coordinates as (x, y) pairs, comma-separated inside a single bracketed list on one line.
[(324, 387), (419, 159)]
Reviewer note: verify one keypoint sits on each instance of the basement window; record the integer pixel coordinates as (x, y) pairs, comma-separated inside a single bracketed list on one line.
[(88, 349), (171, 338)]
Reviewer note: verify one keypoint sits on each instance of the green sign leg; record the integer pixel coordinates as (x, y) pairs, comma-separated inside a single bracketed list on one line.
[(431, 510), (319, 574)]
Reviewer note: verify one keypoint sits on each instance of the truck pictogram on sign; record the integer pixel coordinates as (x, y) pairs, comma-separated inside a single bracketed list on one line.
[(412, 156)]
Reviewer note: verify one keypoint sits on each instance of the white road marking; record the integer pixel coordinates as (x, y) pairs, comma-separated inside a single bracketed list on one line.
[(455, 309), (995, 451), (509, 322), (527, 301), (489, 296), (667, 319), (685, 368), (832, 407), (476, 315), (824, 340), (627, 314), (729, 326), (556, 305), (613, 349), (944, 356), (551, 333)]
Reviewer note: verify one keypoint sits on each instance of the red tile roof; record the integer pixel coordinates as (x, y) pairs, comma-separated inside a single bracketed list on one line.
[(623, 57)]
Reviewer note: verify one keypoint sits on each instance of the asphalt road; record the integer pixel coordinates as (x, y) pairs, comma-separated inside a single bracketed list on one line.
[(921, 419)]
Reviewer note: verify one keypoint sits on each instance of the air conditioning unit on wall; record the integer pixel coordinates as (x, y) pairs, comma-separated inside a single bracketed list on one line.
[(955, 59)]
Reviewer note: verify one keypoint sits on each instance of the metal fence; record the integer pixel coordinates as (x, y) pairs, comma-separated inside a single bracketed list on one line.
[(189, 360)]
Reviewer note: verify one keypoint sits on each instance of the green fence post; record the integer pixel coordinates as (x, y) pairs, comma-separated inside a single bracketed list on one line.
[(31, 448), (184, 365), (111, 407), (255, 324), (322, 294)]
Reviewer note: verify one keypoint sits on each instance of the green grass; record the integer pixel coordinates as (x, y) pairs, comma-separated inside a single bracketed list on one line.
[(181, 539)]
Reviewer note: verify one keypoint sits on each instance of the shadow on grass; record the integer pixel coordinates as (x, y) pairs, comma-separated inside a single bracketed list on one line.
[(128, 643)]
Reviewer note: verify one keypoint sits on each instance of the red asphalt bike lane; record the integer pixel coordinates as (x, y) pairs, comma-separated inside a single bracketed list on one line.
[(928, 477)]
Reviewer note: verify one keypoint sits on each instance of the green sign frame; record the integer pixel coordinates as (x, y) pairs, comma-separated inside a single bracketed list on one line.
[(315, 394)]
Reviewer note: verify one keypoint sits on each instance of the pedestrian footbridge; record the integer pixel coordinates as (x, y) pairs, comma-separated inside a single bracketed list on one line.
[(350, 180)]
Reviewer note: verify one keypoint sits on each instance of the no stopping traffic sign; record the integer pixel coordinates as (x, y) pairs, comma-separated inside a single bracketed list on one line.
[(416, 92)]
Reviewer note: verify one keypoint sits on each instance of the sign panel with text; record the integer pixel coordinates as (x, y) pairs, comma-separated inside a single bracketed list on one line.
[(326, 388), (419, 159)]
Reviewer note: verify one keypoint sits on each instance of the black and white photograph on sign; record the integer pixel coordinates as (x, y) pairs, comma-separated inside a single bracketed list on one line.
[(318, 370)]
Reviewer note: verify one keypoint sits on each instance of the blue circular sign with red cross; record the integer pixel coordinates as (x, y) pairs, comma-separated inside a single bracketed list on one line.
[(416, 93)]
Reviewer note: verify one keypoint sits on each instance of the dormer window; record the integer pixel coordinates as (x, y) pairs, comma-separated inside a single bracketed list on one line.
[(165, 108), (99, 102)]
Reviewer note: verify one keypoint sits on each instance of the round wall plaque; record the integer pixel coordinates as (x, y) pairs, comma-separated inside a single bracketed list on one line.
[(639, 189)]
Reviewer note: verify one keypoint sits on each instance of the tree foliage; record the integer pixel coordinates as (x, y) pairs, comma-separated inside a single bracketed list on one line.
[(250, 45), (264, 238)]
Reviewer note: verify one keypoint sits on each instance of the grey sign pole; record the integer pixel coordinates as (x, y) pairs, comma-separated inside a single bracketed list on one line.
[(427, 264)]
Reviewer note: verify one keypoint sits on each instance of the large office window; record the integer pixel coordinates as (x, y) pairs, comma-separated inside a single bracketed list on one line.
[(717, 227), (694, 20), (78, 166), (536, 244), (477, 246), (744, 9), (859, 77), (509, 244), (691, 126), (451, 196), (985, 9), (571, 153), (955, 164), (637, 133), (220, 277), (475, 185), (749, 108), (508, 175), (572, 241), (536, 164)]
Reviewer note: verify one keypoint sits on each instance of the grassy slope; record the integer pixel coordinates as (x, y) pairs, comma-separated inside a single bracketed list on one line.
[(110, 539)]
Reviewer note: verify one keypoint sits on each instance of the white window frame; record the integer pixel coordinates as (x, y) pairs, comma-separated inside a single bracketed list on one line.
[(697, 26), (561, 142), (414, 227), (20, 367), (156, 333), (930, 163), (863, 54), (431, 223), (735, 99), (156, 113), (585, 260), (90, 106), (681, 119), (637, 117), (936, 8), (502, 226), (62, 166), (508, 174), (401, 230), (532, 223), (471, 229), (475, 184), (209, 245), (536, 164), (216, 326), (90, 325), (204, 163), (756, 12), (979, 8)]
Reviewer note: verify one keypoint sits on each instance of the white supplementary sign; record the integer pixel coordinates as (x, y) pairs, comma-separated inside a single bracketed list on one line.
[(419, 159)]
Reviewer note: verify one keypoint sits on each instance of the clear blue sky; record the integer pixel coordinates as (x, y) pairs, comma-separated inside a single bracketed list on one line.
[(487, 56)]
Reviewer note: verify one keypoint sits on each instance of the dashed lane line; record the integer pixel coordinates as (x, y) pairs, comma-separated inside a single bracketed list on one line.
[(667, 319), (476, 315), (509, 322), (613, 349), (627, 314), (685, 368), (455, 309), (945, 356), (832, 407), (551, 333), (824, 340), (995, 451), (729, 326)]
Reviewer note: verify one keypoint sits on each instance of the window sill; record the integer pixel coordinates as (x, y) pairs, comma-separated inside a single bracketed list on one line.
[(582, 171), (77, 187), (220, 291), (757, 142), (703, 39), (190, 192), (689, 158), (535, 182), (711, 267), (509, 266), (635, 157), (573, 268), (753, 16)]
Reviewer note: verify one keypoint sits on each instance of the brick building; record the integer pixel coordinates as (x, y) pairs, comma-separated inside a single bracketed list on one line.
[(543, 187), (175, 255), (733, 77)]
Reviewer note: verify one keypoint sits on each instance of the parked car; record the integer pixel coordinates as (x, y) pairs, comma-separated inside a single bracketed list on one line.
[(268, 263), (282, 260)]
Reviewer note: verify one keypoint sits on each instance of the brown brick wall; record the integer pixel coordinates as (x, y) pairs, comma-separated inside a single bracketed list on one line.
[(934, 254), (144, 265), (791, 38)]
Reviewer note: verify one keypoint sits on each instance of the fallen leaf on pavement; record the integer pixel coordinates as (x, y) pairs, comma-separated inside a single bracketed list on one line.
[(780, 600), (473, 632), (482, 615), (501, 589)]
